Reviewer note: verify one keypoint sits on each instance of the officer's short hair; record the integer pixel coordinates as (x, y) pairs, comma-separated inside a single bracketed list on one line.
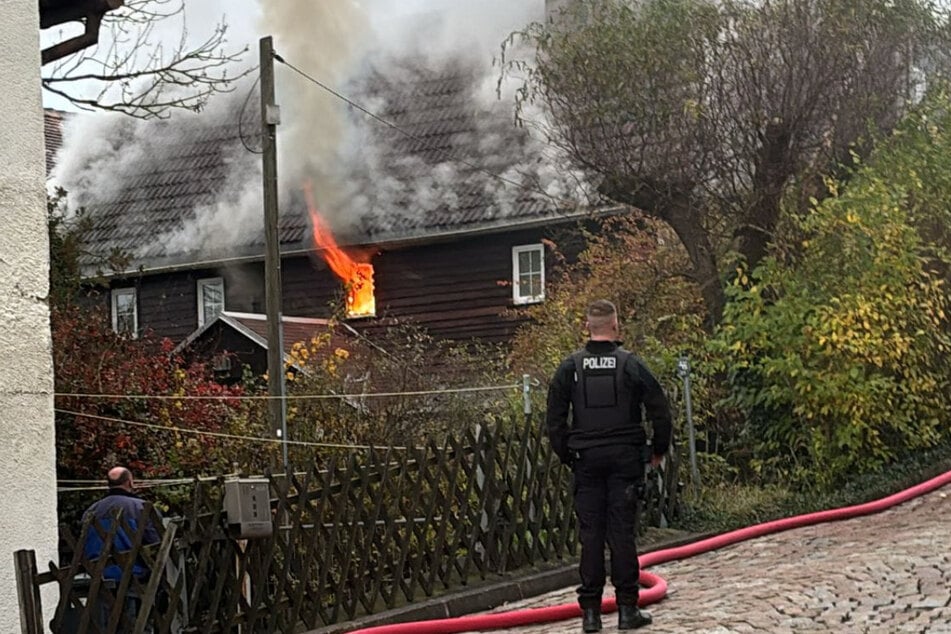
[(601, 313), (600, 308)]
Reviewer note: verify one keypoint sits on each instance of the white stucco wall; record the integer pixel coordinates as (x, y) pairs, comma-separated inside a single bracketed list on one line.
[(27, 450)]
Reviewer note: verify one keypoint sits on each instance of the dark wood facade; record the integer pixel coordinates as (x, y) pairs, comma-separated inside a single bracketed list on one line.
[(456, 289)]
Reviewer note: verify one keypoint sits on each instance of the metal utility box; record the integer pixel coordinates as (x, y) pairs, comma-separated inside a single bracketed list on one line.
[(248, 507)]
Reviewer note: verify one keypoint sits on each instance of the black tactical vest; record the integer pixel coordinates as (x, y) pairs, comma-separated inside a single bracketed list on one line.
[(600, 400)]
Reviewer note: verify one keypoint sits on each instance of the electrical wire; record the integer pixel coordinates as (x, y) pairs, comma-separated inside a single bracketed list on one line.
[(217, 434), (450, 155), (138, 485), (289, 397), (84, 489), (244, 107), (151, 481)]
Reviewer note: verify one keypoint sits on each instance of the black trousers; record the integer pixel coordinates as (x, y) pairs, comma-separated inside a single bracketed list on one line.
[(606, 486)]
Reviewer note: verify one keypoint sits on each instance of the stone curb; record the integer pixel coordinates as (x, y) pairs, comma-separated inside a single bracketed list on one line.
[(485, 597)]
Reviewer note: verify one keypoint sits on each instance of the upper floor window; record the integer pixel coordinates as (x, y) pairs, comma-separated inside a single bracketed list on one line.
[(528, 273), (125, 312), (211, 299)]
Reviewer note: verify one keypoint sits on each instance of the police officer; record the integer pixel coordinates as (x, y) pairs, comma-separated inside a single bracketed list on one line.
[(605, 444)]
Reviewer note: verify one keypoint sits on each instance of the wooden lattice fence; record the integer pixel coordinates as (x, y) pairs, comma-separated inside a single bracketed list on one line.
[(354, 533)]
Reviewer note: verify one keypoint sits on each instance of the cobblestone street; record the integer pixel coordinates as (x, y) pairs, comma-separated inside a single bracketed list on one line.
[(889, 572)]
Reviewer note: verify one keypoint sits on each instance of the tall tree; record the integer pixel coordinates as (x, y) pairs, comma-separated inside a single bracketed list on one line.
[(837, 358), (704, 113)]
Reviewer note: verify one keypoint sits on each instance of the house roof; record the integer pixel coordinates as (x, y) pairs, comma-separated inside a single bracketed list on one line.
[(171, 182), (53, 133), (293, 330), (443, 125), (441, 129)]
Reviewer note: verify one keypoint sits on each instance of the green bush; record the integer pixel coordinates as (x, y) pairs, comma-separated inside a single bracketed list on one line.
[(722, 507), (837, 359)]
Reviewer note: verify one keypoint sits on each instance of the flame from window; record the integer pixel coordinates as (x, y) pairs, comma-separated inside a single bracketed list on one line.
[(357, 276)]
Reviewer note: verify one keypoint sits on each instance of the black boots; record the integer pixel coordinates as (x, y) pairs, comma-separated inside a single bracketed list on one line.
[(591, 621), (630, 617)]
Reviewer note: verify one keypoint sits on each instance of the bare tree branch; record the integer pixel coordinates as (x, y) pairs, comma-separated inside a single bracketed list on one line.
[(136, 75)]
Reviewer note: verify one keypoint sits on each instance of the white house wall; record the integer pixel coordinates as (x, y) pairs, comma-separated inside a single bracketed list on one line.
[(27, 448)]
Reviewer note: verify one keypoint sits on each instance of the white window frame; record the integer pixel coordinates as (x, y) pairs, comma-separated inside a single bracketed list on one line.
[(115, 294), (202, 285), (517, 298)]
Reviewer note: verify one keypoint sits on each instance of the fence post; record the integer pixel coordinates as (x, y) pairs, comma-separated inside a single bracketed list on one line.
[(527, 395), (31, 609), (683, 369), (479, 544), (530, 465), (151, 589)]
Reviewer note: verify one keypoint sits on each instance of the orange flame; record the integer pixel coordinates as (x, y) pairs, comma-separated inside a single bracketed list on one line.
[(357, 276)]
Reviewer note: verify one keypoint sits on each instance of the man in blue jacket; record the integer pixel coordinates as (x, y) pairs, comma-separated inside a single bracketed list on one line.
[(604, 442), (120, 498)]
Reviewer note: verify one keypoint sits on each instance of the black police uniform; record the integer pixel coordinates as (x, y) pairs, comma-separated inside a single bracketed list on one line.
[(605, 386)]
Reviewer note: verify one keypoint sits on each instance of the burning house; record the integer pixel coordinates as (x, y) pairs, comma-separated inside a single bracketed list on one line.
[(442, 219), (456, 261)]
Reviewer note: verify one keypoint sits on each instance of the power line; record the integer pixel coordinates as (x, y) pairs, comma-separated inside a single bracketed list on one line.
[(419, 139), (96, 485), (151, 481), (82, 489), (241, 116), (301, 397), (215, 434), (139, 484)]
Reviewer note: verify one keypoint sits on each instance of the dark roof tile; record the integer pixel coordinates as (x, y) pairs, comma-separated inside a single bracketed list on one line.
[(53, 131), (438, 109)]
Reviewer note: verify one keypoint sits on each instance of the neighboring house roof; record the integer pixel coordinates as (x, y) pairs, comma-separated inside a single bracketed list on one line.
[(53, 132), (293, 330), (438, 110)]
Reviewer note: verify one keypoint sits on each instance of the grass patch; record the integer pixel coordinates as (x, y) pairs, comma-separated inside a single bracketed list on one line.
[(726, 506)]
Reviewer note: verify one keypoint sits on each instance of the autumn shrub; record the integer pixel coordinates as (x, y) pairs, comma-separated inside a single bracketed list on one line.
[(97, 370), (396, 387), (638, 264), (838, 358), (117, 398)]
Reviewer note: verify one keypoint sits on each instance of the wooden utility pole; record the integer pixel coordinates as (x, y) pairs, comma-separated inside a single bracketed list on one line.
[(270, 118)]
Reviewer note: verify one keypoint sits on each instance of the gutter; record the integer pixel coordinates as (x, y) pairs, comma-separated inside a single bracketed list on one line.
[(392, 243)]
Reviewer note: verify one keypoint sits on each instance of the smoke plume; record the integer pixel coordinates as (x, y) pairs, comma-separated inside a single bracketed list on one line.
[(378, 52), (326, 40)]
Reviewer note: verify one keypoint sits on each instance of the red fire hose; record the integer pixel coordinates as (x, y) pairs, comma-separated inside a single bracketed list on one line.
[(656, 588)]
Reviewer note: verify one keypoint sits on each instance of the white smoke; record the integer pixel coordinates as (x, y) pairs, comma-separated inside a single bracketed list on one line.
[(325, 39), (99, 153), (402, 42), (107, 158), (348, 45), (235, 216), (436, 30)]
